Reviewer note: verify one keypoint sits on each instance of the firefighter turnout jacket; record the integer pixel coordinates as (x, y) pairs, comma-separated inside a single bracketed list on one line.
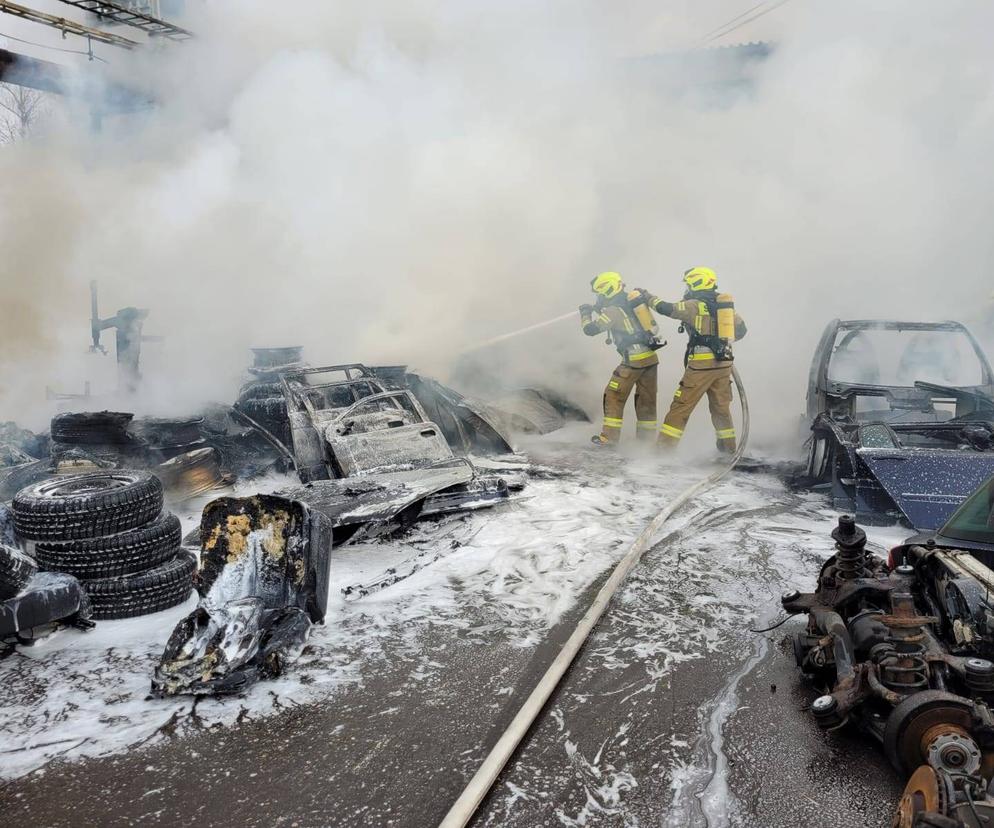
[(711, 324), (626, 320)]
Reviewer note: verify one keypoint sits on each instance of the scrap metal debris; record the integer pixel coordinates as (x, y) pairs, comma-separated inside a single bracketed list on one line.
[(902, 650), (194, 473)]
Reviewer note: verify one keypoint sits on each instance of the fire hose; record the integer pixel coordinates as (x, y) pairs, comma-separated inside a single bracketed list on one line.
[(469, 800)]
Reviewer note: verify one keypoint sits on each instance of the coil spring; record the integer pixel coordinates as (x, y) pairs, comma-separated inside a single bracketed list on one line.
[(850, 562), (908, 677)]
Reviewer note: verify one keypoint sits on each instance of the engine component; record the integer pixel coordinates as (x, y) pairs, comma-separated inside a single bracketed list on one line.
[(954, 752), (826, 712), (850, 541), (979, 674), (922, 795), (901, 650)]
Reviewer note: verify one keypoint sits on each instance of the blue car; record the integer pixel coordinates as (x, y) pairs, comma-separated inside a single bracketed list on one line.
[(901, 419)]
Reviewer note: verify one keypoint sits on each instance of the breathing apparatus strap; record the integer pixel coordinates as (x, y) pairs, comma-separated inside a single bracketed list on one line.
[(695, 339)]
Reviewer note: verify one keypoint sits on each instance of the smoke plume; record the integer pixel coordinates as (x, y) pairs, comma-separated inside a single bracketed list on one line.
[(393, 181)]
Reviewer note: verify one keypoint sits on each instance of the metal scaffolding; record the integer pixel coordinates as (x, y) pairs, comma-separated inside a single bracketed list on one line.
[(67, 26), (118, 13)]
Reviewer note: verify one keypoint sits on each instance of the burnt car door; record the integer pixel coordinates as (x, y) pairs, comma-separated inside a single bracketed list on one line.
[(387, 430)]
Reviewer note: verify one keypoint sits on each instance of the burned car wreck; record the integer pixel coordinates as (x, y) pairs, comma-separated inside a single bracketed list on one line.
[(373, 448), (378, 446), (901, 419), (903, 650)]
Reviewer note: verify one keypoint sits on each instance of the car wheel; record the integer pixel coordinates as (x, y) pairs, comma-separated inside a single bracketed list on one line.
[(87, 505), (92, 428)]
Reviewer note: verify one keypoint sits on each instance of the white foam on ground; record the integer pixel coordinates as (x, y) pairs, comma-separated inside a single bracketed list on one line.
[(524, 564)]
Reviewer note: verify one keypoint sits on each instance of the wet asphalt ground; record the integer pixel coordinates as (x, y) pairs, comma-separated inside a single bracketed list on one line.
[(675, 714)]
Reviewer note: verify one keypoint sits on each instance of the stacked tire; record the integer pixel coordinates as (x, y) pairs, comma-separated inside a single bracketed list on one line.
[(16, 570), (108, 530), (101, 437), (264, 403)]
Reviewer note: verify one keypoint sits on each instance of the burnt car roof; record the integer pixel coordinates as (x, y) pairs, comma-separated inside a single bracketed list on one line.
[(820, 386), (888, 443)]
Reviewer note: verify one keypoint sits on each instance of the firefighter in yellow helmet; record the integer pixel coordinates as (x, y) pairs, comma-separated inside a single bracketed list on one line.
[(624, 315), (712, 324)]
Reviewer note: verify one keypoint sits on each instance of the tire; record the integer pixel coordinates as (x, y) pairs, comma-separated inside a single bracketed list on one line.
[(16, 569), (159, 588), (113, 555), (160, 432), (265, 408), (87, 505), (91, 428)]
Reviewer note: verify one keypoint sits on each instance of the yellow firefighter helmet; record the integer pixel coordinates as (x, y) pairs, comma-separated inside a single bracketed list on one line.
[(700, 278), (607, 284)]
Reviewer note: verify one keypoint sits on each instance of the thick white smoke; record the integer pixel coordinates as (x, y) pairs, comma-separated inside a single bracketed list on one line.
[(391, 181)]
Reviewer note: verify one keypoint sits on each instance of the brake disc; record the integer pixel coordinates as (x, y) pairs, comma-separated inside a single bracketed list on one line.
[(921, 795), (913, 717)]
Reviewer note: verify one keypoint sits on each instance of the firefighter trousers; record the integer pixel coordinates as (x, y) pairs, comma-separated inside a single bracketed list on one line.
[(696, 382), (619, 387)]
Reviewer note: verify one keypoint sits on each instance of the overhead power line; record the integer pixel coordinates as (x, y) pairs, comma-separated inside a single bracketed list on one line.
[(738, 22), (67, 26), (90, 55), (706, 35)]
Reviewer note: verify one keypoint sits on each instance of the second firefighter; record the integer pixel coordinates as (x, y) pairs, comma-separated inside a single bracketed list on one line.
[(712, 325)]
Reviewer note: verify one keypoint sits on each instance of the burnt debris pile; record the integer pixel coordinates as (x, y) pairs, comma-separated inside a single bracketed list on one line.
[(353, 452)]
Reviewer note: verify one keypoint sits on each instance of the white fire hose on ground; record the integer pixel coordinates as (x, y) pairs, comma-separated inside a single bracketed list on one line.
[(469, 800)]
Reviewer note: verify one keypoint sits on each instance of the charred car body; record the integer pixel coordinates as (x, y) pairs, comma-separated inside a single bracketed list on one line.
[(903, 649), (901, 416)]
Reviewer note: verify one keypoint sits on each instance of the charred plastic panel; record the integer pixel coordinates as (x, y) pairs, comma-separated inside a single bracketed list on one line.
[(536, 411), (375, 502), (47, 598), (467, 425), (263, 582)]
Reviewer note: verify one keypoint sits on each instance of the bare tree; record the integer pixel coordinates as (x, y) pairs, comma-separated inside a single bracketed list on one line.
[(20, 109)]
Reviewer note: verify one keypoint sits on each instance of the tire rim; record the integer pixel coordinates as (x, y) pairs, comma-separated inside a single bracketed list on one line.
[(85, 485)]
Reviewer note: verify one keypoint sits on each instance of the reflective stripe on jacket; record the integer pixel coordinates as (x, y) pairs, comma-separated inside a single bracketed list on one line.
[(621, 324)]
